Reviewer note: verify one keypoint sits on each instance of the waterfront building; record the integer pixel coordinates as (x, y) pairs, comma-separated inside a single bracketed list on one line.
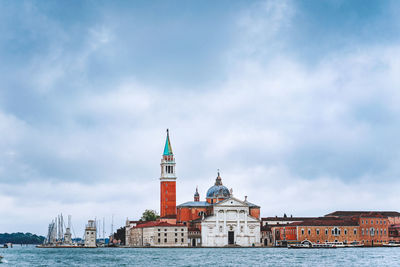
[(370, 228), (374, 228), (278, 231), (90, 234), (372, 231), (394, 233), (159, 234), (129, 225), (322, 230), (231, 224)]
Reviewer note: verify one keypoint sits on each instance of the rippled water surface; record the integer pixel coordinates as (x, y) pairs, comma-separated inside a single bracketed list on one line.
[(31, 256)]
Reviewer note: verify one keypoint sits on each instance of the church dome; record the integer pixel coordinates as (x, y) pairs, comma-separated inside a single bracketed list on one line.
[(218, 190)]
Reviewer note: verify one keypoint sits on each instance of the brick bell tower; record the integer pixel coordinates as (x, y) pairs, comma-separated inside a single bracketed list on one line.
[(168, 182)]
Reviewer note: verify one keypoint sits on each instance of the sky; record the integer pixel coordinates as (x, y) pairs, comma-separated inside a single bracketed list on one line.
[(296, 102)]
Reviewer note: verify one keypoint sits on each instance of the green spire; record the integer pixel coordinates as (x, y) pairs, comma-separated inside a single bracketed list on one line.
[(167, 148)]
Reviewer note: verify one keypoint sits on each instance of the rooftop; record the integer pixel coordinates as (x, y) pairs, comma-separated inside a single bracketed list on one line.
[(289, 219), (358, 213), (157, 223), (327, 222), (167, 148), (194, 204)]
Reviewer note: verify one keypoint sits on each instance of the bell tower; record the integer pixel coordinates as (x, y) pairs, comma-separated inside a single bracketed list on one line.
[(168, 182)]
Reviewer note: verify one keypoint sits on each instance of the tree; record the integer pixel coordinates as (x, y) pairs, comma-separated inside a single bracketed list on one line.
[(149, 215)]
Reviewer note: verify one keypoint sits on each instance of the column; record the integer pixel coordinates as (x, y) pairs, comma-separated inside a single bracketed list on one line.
[(217, 223), (238, 220), (225, 222), (245, 222)]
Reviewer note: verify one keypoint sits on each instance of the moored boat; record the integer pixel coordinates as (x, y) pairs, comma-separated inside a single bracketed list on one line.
[(391, 244), (308, 244)]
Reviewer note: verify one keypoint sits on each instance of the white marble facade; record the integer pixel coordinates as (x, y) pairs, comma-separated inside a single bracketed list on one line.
[(230, 224)]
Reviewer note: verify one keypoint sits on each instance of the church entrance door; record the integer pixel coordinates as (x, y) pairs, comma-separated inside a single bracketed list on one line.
[(231, 237)]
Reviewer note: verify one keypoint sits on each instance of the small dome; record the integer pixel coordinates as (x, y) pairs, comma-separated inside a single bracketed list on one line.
[(218, 190)]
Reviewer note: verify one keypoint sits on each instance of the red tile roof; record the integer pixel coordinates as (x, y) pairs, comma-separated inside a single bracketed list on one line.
[(358, 213), (327, 222), (157, 223), (287, 218)]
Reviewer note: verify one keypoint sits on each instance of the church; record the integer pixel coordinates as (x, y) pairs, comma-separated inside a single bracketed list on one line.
[(221, 220)]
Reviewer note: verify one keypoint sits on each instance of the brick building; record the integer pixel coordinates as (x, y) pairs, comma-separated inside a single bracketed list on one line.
[(321, 230)]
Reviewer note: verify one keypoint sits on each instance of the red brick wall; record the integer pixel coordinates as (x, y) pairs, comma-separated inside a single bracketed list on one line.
[(285, 232), (168, 198), (379, 224), (255, 212), (311, 234), (186, 214)]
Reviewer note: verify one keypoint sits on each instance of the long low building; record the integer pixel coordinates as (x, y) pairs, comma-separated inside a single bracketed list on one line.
[(158, 234), (370, 228)]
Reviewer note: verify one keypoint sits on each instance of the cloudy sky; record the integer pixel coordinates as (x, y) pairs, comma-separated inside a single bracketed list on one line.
[(296, 102)]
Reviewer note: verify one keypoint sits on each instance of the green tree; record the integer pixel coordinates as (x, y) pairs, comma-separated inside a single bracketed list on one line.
[(149, 215)]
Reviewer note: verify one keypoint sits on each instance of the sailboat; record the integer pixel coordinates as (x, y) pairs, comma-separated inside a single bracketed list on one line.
[(56, 237)]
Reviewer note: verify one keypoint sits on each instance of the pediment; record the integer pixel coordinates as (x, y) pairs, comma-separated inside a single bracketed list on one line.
[(231, 202)]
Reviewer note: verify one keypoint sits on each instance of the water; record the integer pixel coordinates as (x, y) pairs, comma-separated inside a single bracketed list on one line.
[(31, 256)]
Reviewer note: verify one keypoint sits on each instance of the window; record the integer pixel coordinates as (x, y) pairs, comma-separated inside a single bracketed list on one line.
[(326, 232), (165, 240), (372, 221), (355, 231), (159, 229), (345, 231), (302, 231), (165, 230), (165, 234), (377, 222), (309, 231), (176, 240), (176, 229), (182, 230), (159, 234), (362, 222), (384, 222), (159, 240), (317, 231), (366, 222), (176, 234), (372, 232), (336, 231), (384, 231), (182, 234), (182, 240)]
